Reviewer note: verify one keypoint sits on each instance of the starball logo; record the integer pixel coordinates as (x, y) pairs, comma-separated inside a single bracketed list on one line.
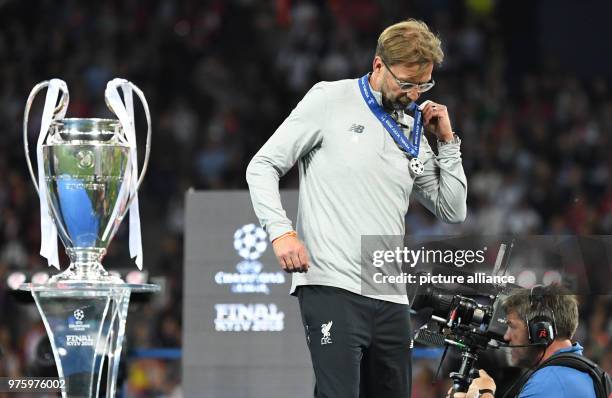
[(77, 321), (78, 314), (250, 244)]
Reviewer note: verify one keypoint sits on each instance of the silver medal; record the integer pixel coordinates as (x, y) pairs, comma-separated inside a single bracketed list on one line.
[(416, 166)]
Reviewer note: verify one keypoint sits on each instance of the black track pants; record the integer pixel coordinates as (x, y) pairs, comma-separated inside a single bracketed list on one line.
[(360, 347)]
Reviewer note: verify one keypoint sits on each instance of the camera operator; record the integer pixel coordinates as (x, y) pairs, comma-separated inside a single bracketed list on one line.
[(541, 323)]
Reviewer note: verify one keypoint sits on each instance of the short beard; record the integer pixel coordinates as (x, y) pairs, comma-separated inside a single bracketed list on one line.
[(531, 357), (391, 106), (387, 103)]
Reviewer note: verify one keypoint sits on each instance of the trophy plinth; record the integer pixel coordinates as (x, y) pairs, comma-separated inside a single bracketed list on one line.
[(85, 322), (87, 181)]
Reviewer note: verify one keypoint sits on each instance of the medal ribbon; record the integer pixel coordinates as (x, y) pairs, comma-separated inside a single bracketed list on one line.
[(409, 146)]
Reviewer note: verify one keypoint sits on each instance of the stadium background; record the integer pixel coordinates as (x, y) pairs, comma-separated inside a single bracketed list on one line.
[(527, 84)]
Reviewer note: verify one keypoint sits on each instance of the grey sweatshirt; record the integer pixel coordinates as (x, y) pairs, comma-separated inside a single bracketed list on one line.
[(354, 181)]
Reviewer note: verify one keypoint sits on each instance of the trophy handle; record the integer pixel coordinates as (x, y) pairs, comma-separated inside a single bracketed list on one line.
[(62, 104), (145, 105)]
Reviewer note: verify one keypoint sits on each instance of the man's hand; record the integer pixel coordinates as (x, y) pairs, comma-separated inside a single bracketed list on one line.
[(450, 394), (291, 254), (484, 381), (437, 121)]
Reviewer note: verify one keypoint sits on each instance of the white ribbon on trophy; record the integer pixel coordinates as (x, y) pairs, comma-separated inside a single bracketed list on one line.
[(125, 114), (48, 230), (82, 163)]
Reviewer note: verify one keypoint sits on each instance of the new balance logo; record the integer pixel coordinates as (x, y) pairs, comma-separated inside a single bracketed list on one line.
[(356, 128), (325, 330)]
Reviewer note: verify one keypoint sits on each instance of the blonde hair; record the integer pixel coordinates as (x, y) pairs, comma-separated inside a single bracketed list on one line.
[(409, 42)]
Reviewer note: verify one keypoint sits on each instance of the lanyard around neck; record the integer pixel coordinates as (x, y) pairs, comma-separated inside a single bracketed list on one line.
[(410, 146)]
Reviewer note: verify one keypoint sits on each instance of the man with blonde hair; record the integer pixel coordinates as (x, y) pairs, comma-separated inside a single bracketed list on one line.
[(360, 156)]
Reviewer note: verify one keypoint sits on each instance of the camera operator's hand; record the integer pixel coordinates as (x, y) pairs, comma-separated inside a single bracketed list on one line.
[(450, 394), (483, 382), (291, 253)]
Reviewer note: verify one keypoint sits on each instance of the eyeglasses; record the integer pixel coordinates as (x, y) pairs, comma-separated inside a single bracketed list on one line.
[(407, 86)]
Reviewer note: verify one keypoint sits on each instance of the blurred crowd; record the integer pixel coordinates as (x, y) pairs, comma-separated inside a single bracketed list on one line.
[(219, 77)]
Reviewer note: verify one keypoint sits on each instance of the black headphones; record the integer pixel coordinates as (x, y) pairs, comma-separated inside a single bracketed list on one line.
[(541, 326)]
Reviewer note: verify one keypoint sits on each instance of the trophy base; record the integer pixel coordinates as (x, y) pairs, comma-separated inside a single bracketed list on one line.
[(85, 322), (87, 272), (74, 287)]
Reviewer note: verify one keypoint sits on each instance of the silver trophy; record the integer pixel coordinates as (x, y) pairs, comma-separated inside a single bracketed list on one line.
[(87, 181)]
